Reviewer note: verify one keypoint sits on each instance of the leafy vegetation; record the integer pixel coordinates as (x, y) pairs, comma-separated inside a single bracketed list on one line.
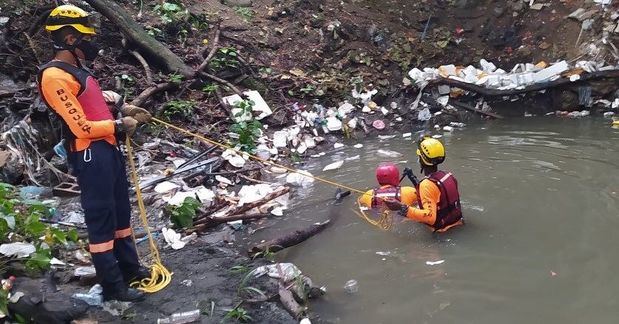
[(247, 128), (238, 313), (225, 57), (210, 89), (170, 12), (179, 109), (22, 218), (246, 13), (182, 216), (175, 78)]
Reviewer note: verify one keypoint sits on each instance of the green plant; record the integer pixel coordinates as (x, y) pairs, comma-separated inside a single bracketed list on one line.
[(210, 89), (175, 78), (247, 128), (225, 57), (182, 216), (154, 31), (237, 269), (179, 108), (39, 260), (171, 12), (199, 21), (246, 13), (238, 313), (267, 254)]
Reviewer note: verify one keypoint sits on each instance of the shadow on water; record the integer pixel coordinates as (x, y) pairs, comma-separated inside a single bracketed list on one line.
[(540, 199)]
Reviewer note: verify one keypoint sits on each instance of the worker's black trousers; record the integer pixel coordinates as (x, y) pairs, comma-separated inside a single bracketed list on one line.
[(101, 175)]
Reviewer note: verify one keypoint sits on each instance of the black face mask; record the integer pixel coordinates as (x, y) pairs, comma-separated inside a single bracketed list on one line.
[(89, 49)]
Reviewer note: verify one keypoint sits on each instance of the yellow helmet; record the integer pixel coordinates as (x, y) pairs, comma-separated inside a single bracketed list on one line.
[(69, 15), (431, 151)]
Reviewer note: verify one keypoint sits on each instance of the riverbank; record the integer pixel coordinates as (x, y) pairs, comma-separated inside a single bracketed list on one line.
[(325, 72)]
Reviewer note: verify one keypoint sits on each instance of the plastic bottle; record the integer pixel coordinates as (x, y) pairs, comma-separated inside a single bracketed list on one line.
[(181, 318), (351, 286)]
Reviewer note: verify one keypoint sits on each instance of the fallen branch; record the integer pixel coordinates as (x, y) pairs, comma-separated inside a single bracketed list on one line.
[(136, 34), (471, 108), (222, 81), (148, 92), (535, 87), (210, 222), (211, 53), (140, 58), (289, 239)]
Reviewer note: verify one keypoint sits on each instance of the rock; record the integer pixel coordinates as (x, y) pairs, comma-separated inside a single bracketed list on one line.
[(3, 21), (237, 3), (517, 6), (586, 24), (538, 6), (544, 45), (577, 13), (52, 307), (499, 11)]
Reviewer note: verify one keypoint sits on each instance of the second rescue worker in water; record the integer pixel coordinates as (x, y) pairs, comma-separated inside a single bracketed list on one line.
[(388, 177), (91, 136), (438, 197)]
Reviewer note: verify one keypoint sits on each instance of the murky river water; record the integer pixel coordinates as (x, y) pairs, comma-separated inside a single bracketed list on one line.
[(541, 201)]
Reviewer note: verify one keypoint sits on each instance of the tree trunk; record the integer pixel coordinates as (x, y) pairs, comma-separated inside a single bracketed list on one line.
[(136, 35), (289, 239)]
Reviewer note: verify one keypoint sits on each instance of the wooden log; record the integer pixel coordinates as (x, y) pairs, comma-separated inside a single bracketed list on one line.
[(486, 92), (148, 92), (289, 303), (210, 222), (136, 34), (289, 239)]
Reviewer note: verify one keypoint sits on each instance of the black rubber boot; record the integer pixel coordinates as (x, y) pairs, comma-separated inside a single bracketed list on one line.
[(142, 273), (125, 295)]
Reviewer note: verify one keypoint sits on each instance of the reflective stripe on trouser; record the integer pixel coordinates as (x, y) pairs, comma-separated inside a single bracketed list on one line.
[(105, 200)]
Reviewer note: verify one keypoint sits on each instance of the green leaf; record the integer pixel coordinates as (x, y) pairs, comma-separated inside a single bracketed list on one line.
[(72, 235), (39, 260), (59, 236)]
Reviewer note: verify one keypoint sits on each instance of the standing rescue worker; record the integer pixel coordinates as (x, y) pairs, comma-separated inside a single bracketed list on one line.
[(91, 136), (388, 177), (438, 196)]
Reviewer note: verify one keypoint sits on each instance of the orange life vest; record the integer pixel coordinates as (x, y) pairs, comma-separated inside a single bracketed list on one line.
[(449, 210), (390, 192)]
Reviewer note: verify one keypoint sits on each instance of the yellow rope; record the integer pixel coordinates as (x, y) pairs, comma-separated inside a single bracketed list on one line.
[(385, 221), (210, 141), (160, 277)]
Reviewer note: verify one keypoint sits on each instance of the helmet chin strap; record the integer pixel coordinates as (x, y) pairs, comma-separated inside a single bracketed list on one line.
[(71, 49)]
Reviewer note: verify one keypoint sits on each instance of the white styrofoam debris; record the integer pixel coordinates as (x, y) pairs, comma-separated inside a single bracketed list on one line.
[(300, 178), (333, 166), (165, 187)]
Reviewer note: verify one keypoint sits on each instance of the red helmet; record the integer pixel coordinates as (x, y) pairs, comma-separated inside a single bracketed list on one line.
[(388, 174)]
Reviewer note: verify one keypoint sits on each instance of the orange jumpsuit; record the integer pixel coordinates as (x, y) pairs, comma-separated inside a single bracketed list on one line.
[(430, 195)]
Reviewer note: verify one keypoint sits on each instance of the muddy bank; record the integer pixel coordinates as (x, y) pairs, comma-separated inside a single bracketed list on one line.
[(204, 279)]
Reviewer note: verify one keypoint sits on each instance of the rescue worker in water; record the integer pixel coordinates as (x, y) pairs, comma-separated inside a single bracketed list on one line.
[(91, 135), (388, 177), (438, 199)]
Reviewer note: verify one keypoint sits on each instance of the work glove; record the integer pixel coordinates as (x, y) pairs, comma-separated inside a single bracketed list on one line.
[(394, 205), (127, 125), (408, 172), (140, 114)]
